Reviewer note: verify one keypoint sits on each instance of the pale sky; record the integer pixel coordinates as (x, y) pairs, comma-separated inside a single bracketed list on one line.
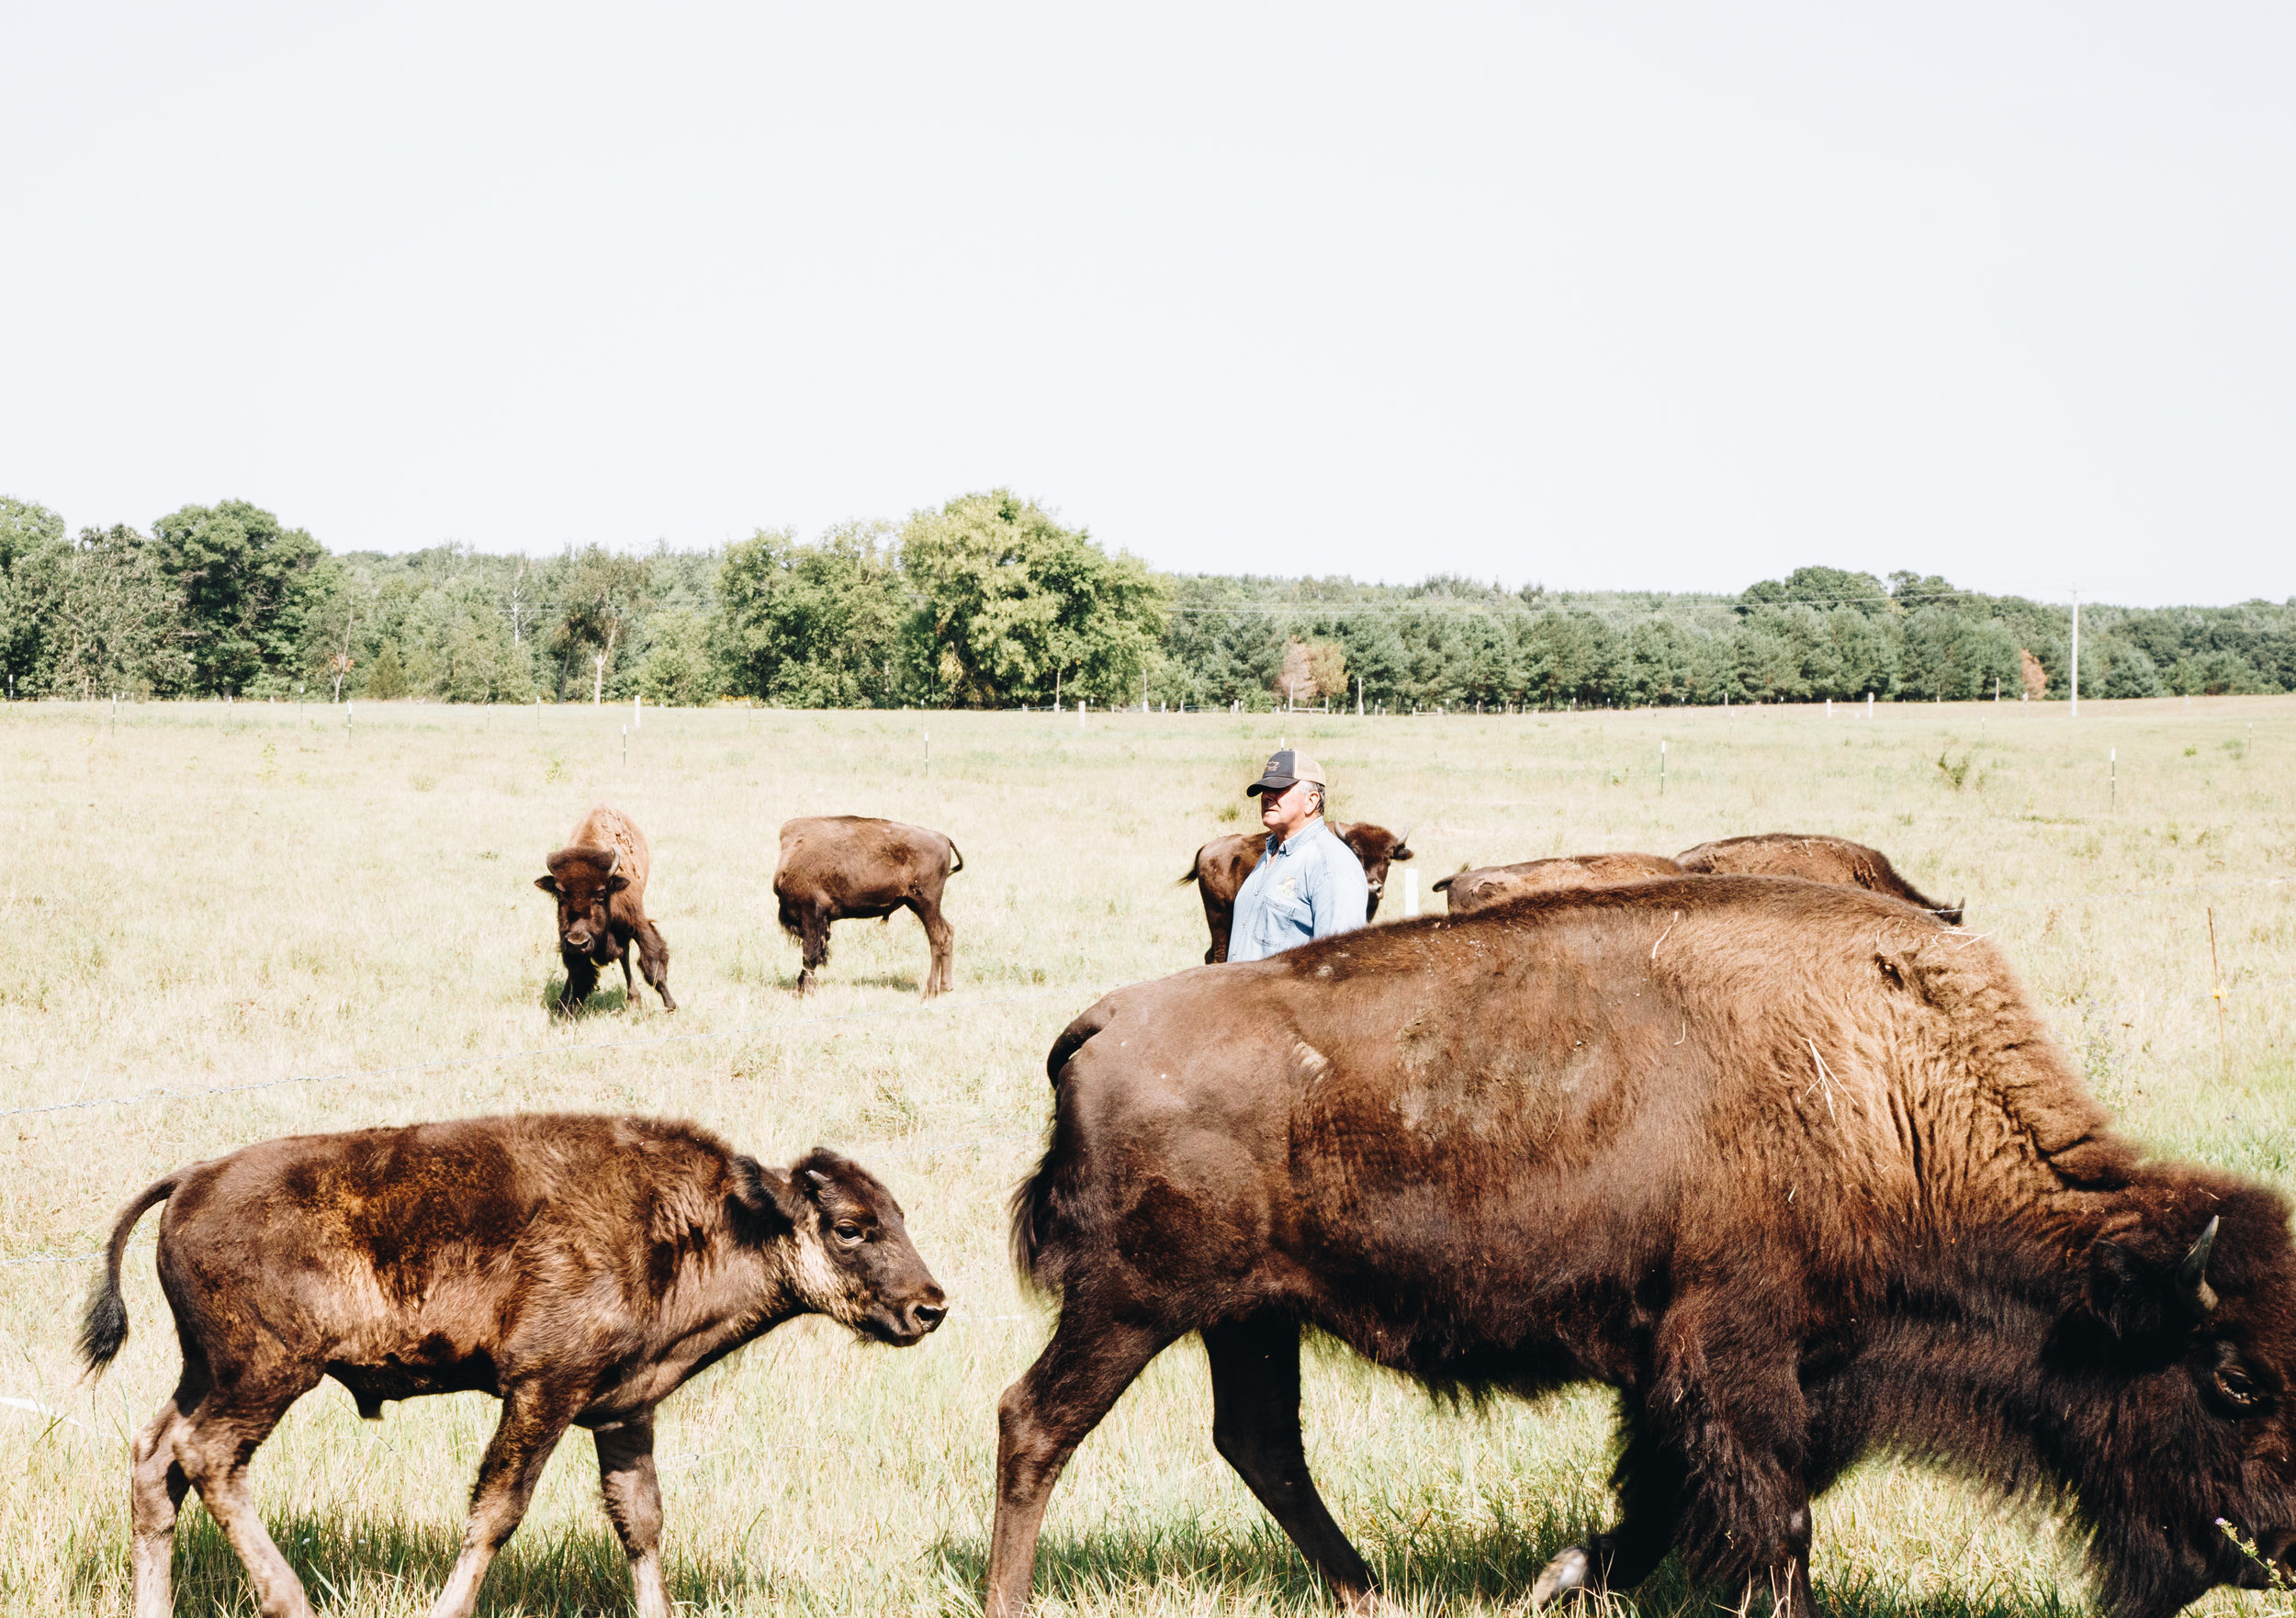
[(1606, 296)]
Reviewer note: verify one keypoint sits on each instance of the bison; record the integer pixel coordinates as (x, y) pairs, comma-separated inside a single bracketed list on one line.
[(579, 1268), (599, 881), (1221, 865), (1814, 859), (1797, 1170), (837, 867), (1467, 891)]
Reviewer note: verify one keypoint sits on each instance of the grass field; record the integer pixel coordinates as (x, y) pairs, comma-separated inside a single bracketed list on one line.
[(253, 922)]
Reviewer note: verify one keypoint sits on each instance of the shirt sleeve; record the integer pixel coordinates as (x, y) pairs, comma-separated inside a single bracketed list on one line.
[(1342, 895)]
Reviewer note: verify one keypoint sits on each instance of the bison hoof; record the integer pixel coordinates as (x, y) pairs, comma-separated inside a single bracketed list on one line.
[(1566, 1573)]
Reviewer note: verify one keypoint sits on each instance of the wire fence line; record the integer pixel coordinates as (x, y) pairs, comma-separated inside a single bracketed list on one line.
[(353, 1075)]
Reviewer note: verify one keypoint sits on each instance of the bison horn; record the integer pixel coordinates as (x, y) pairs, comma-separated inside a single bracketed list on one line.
[(2192, 1281), (614, 862)]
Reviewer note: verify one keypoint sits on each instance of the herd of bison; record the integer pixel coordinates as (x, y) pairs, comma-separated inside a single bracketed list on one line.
[(1757, 1136)]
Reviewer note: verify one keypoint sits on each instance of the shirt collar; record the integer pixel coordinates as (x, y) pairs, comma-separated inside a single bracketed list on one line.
[(1306, 834)]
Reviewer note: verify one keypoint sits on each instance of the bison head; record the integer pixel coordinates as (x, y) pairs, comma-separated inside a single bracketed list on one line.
[(2192, 1427), (584, 880), (1377, 848), (854, 1260)]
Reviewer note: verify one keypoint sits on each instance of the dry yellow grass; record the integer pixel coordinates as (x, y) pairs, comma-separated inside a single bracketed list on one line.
[(201, 898)]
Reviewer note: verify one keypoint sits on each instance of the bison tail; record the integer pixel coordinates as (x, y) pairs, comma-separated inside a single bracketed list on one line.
[(956, 854), (1194, 867), (105, 1327), (1031, 1224)]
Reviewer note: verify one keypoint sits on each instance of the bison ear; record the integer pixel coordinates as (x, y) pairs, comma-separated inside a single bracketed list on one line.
[(1402, 851), (763, 1194), (2120, 1294), (548, 884), (615, 884)]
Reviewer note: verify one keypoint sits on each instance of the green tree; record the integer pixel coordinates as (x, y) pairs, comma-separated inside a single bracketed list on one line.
[(601, 597), (31, 549), (814, 625), (677, 670), (113, 620), (1017, 609), (245, 582)]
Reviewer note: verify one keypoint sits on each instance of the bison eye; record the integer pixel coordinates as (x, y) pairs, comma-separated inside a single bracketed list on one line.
[(848, 1232), (2236, 1388)]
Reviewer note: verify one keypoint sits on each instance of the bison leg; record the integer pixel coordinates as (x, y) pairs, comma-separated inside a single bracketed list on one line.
[(581, 977), (534, 1419), (1256, 1427), (213, 1447), (814, 934), (1721, 1449), (155, 1493), (653, 959), (942, 938), (625, 1477), (1040, 1420), (1649, 1481)]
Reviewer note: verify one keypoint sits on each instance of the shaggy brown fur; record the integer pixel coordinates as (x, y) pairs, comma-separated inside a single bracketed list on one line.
[(1484, 886), (1797, 1170), (599, 881), (836, 867), (1221, 865), (579, 1268), (1813, 859)]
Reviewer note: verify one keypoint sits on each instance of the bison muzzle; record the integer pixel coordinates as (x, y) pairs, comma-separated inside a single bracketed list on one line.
[(579, 1268), (1797, 1170)]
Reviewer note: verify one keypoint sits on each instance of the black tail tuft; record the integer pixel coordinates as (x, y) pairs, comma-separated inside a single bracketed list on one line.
[(1033, 1215), (105, 1327)]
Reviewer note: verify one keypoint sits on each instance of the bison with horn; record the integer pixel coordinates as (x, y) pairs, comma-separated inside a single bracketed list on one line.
[(1796, 1169)]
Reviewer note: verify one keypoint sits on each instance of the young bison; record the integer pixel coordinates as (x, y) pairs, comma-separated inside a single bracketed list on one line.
[(579, 1268), (1814, 859), (839, 866), (599, 880)]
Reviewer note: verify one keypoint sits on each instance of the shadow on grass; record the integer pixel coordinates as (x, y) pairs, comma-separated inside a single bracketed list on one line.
[(1426, 1564), (350, 1563), (909, 984), (602, 1002)]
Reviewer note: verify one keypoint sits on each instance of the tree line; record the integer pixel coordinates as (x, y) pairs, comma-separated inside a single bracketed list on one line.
[(988, 602)]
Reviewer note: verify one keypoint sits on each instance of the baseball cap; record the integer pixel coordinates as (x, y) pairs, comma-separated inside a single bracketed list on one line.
[(1285, 768)]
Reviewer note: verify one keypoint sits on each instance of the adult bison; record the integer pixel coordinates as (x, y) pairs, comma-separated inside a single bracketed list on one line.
[(838, 867), (599, 881), (1483, 886), (1221, 866), (1814, 859), (1797, 1171), (577, 1268)]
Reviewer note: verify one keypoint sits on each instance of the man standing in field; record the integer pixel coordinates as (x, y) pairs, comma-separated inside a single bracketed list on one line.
[(1307, 884)]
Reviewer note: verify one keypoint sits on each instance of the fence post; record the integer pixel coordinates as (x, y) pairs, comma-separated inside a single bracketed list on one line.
[(625, 744), (2112, 778), (1662, 764)]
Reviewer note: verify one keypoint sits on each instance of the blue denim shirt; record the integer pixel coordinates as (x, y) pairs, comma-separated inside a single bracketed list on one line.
[(1309, 886)]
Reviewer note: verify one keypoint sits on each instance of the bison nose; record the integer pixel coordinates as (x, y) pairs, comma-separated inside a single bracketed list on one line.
[(931, 1315)]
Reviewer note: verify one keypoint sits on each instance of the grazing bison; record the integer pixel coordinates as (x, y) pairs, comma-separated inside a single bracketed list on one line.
[(1466, 891), (1221, 865), (577, 1268), (1797, 1170), (599, 880), (838, 867), (1813, 859)]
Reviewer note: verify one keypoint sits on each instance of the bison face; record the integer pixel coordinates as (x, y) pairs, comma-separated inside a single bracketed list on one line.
[(855, 1261), (584, 881), (1377, 847), (2201, 1438)]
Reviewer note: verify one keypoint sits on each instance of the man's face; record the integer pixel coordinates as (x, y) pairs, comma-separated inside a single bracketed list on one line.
[(1286, 812)]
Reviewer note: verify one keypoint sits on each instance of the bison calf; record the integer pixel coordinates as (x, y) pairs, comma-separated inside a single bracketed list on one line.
[(841, 867), (1813, 859), (1221, 865), (1466, 891), (599, 880), (579, 1268)]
